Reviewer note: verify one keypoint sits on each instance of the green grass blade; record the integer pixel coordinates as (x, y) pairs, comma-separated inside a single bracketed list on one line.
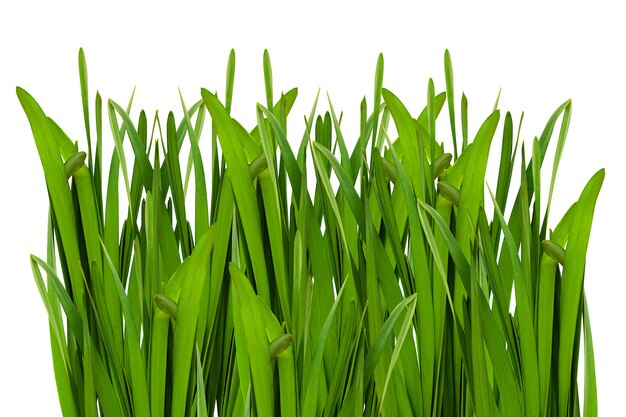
[(406, 325), (378, 87), (97, 170), (422, 285), (187, 317), (464, 122), (231, 136), (460, 260), (178, 196), (572, 283), (89, 388), (376, 348), (202, 205), (472, 189), (197, 131), (139, 388), (84, 92), (58, 188), (346, 186), (158, 362), (230, 81), (524, 313), (271, 201), (567, 112), (483, 396), (345, 157), (256, 341), (591, 395), (309, 404), (141, 158), (59, 350), (200, 389), (505, 171), (288, 158), (267, 75), (447, 63)]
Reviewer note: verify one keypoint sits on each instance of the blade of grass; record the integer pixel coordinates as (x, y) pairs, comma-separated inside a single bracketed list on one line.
[(187, 318), (84, 92), (139, 388), (255, 339), (464, 123), (528, 346), (230, 138), (591, 395), (572, 282), (378, 87), (58, 188), (202, 206), (447, 63)]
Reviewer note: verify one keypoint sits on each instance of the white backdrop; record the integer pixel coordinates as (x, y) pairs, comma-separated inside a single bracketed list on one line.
[(539, 54)]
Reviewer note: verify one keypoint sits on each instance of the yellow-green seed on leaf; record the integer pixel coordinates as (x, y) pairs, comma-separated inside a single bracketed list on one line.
[(442, 163), (449, 191), (257, 166), (74, 163), (278, 345), (554, 250), (167, 305), (390, 170)]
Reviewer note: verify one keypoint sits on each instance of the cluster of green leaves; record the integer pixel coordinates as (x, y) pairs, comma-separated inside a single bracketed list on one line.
[(385, 289)]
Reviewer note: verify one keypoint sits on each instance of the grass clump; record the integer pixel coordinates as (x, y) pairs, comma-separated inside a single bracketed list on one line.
[(384, 289)]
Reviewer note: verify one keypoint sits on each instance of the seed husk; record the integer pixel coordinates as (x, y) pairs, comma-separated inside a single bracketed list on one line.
[(390, 170), (74, 163), (257, 166), (278, 345), (441, 164), (167, 305), (554, 250), (449, 191)]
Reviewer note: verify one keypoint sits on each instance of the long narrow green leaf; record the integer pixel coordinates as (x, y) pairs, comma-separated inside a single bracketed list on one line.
[(257, 345), (84, 92), (572, 282), (591, 395), (187, 318), (202, 206), (230, 136), (58, 188), (139, 388), (447, 63)]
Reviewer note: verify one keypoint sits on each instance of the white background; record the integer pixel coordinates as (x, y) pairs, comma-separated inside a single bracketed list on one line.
[(540, 54)]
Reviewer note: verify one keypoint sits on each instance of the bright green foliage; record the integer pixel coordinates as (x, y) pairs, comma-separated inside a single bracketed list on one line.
[(314, 279)]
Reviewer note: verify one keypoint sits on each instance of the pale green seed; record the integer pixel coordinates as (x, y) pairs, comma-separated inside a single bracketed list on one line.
[(390, 170), (449, 191), (278, 345), (554, 250), (442, 163), (257, 166), (167, 305), (74, 163)]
